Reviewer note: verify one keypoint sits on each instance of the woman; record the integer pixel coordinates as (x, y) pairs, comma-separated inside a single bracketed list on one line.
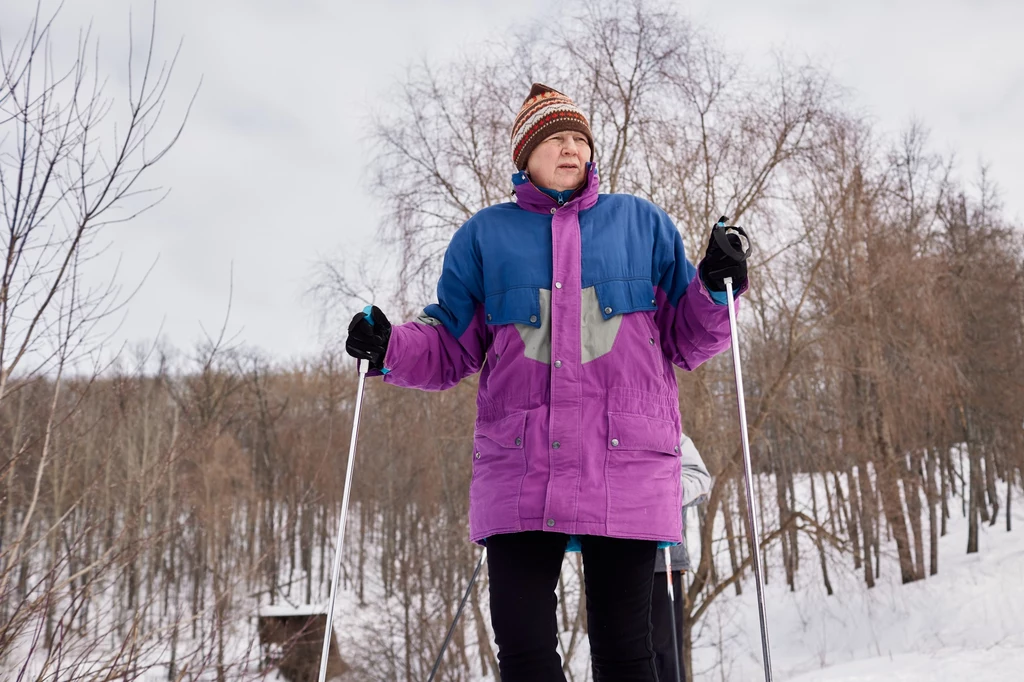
[(573, 306), (696, 483)]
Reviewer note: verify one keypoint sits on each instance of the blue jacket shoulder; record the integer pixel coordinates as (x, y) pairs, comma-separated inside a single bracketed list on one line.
[(638, 205), (502, 211)]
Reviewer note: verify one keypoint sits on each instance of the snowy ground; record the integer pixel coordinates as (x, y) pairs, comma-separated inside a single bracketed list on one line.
[(967, 622), (994, 664)]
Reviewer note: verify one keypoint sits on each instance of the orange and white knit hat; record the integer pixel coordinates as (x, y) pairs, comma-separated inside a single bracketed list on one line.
[(545, 112)]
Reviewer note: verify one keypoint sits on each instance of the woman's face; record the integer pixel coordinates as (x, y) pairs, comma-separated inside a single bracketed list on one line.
[(559, 162)]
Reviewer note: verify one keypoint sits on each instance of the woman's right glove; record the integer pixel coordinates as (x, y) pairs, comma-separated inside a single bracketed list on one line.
[(368, 337)]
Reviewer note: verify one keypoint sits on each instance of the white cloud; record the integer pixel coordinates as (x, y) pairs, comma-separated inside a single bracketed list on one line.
[(955, 65)]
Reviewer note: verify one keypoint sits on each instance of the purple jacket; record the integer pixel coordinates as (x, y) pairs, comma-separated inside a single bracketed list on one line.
[(573, 315)]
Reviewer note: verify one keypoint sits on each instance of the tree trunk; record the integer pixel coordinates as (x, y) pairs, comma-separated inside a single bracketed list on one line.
[(730, 536), (748, 534), (945, 488), (877, 548), (832, 506), (197, 577), (888, 485), (788, 549), (933, 513), (974, 505), (292, 511), (868, 507), (990, 485), (912, 492), (306, 544), (853, 516), (1009, 499), (964, 497), (702, 522), (324, 528), (794, 534), (361, 568), (760, 508), (687, 661), (817, 539)]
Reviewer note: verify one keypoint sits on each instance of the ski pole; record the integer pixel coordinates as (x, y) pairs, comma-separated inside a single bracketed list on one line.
[(364, 366), (755, 550), (672, 612), (451, 629)]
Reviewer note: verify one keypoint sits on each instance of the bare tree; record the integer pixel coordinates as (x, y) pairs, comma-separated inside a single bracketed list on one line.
[(71, 163)]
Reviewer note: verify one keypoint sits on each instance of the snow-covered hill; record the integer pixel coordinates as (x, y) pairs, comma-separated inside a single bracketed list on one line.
[(967, 622)]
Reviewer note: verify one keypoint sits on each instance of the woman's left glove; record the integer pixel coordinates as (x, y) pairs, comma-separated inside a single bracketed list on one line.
[(368, 337), (724, 259)]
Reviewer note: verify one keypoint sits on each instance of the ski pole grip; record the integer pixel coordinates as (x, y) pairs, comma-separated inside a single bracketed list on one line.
[(368, 312), (720, 233)]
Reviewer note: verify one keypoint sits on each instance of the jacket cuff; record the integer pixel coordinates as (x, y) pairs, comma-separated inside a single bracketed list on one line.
[(393, 357), (721, 297), (396, 350)]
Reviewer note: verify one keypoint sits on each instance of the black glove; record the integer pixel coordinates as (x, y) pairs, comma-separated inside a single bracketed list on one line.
[(369, 341), (720, 262)]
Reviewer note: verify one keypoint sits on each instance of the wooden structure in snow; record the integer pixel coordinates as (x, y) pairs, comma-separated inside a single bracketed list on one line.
[(292, 638)]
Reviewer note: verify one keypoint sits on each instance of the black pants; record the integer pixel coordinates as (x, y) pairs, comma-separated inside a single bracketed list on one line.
[(523, 569), (661, 619)]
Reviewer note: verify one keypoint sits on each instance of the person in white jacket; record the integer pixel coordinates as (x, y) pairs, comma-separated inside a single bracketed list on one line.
[(696, 486)]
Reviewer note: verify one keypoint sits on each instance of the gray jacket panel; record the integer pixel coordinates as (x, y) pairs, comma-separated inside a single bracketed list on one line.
[(696, 482)]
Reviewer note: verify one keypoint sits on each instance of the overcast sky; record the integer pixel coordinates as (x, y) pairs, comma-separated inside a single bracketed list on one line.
[(268, 177)]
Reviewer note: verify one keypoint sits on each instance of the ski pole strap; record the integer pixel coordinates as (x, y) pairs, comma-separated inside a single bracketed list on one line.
[(720, 233)]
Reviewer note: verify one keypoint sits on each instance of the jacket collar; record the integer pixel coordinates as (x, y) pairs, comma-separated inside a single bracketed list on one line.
[(530, 198)]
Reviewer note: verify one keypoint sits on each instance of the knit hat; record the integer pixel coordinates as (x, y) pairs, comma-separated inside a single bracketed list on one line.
[(545, 112)]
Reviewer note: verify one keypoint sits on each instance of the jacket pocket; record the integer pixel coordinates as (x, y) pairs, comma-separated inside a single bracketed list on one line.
[(499, 466), (647, 404), (641, 432), (620, 296), (519, 305), (507, 432), (642, 468)]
